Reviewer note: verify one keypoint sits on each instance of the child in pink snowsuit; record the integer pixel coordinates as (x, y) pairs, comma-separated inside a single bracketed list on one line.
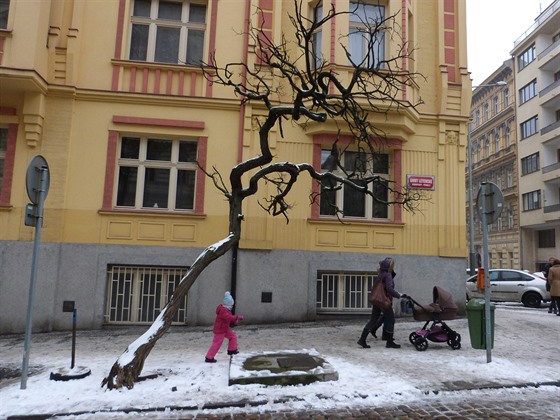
[(222, 329)]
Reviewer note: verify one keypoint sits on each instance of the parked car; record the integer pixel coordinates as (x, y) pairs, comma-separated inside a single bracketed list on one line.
[(508, 285)]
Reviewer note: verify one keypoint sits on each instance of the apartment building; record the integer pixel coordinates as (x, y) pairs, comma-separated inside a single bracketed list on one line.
[(536, 55), (112, 96), (493, 140)]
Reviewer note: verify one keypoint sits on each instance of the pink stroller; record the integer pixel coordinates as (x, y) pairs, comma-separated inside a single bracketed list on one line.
[(442, 308)]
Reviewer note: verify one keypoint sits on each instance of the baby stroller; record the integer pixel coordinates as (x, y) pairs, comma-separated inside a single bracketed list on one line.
[(442, 309)]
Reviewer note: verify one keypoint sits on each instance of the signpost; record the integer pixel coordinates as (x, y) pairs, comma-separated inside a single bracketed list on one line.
[(489, 202), (37, 182)]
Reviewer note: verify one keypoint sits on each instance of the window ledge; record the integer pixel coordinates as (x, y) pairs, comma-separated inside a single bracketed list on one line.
[(353, 222), (163, 213)]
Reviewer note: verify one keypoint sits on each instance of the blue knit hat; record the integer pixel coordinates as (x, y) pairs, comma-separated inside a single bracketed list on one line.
[(228, 299)]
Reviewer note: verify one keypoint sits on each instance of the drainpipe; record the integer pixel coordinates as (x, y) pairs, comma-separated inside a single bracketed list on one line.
[(235, 248)]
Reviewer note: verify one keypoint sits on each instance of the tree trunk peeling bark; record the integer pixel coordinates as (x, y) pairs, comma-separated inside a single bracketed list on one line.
[(127, 368)]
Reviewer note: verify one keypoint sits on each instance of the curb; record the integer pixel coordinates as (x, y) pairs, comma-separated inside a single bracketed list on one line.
[(257, 403)]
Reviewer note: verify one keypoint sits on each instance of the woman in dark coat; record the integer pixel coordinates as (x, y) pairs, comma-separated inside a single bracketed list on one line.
[(385, 268)]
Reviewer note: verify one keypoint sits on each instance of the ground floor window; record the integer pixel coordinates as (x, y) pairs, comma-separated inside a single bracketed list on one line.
[(136, 294), (343, 291)]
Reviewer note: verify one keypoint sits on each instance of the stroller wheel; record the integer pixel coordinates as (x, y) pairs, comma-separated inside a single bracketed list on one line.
[(421, 344), (413, 337), (455, 343)]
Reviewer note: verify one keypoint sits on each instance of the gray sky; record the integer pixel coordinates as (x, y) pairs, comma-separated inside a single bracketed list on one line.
[(492, 27)]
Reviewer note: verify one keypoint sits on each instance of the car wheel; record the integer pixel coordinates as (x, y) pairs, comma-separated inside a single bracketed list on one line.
[(531, 300)]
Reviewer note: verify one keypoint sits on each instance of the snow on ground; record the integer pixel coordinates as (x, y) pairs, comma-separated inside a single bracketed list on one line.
[(525, 351)]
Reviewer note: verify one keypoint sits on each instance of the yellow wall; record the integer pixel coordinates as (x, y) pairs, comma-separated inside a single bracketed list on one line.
[(74, 115)]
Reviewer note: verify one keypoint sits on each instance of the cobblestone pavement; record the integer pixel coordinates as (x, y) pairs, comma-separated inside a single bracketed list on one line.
[(500, 404)]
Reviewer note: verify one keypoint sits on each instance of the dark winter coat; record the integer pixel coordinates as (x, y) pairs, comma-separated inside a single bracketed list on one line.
[(224, 318), (389, 283)]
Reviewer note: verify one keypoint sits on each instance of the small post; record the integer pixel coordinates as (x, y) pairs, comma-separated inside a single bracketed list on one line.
[(74, 318)]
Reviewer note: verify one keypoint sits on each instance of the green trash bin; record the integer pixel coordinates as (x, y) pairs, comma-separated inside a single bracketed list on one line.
[(477, 323)]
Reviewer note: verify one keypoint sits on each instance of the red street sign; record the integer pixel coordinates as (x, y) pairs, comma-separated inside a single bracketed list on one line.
[(421, 182)]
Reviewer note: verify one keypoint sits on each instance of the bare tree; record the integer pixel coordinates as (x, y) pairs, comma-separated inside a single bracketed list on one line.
[(296, 85)]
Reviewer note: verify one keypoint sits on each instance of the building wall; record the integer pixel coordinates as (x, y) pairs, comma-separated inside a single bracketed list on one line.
[(494, 159), (75, 92), (544, 216)]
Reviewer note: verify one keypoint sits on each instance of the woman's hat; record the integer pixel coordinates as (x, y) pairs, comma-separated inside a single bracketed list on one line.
[(228, 299), (385, 265)]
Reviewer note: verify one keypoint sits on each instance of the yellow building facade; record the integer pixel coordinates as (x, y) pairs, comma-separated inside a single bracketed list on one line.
[(111, 95)]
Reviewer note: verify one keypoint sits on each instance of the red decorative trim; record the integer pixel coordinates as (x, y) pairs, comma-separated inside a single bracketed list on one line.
[(6, 110), (202, 149), (118, 44), (110, 167), (333, 32), (9, 161), (160, 122), (2, 39), (211, 44)]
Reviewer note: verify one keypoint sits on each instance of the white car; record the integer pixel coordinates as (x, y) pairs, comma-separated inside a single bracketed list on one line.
[(508, 285)]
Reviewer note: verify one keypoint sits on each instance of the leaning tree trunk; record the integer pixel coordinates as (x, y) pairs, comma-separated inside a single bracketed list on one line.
[(127, 368)]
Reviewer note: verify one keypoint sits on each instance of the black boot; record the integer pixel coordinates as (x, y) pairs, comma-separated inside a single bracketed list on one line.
[(373, 331), (362, 340), (391, 343)]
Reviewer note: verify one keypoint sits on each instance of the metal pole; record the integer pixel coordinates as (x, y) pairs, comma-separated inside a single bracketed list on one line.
[(471, 199), (37, 240), (487, 323), (74, 319)]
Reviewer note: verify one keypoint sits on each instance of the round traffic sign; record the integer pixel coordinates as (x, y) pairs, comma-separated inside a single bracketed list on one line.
[(38, 167), (494, 201)]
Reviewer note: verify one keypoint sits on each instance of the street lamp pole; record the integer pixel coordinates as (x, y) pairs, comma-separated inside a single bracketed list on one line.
[(472, 254)]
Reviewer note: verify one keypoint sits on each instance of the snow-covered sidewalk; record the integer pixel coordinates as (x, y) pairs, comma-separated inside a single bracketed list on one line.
[(525, 352)]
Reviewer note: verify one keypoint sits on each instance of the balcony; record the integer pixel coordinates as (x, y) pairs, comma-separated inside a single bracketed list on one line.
[(550, 131)]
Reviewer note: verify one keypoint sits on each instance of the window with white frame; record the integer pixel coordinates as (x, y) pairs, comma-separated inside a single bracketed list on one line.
[(137, 294), (487, 146), (508, 134), (477, 117), (527, 57), (485, 112), (532, 200), (529, 127), (530, 164), (156, 173), (4, 11), (497, 140), (168, 31), (317, 39), (366, 37), (506, 97), (527, 92), (355, 203), (343, 291), (509, 177), (495, 105)]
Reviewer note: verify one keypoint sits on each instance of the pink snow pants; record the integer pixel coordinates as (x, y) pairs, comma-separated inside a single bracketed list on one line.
[(219, 339)]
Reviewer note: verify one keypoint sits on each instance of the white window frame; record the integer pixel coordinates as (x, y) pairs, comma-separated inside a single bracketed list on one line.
[(128, 301), (142, 163), (363, 51), (340, 291), (317, 39), (184, 26), (368, 200)]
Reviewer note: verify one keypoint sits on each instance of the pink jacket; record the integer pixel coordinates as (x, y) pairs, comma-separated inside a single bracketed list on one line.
[(224, 318)]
